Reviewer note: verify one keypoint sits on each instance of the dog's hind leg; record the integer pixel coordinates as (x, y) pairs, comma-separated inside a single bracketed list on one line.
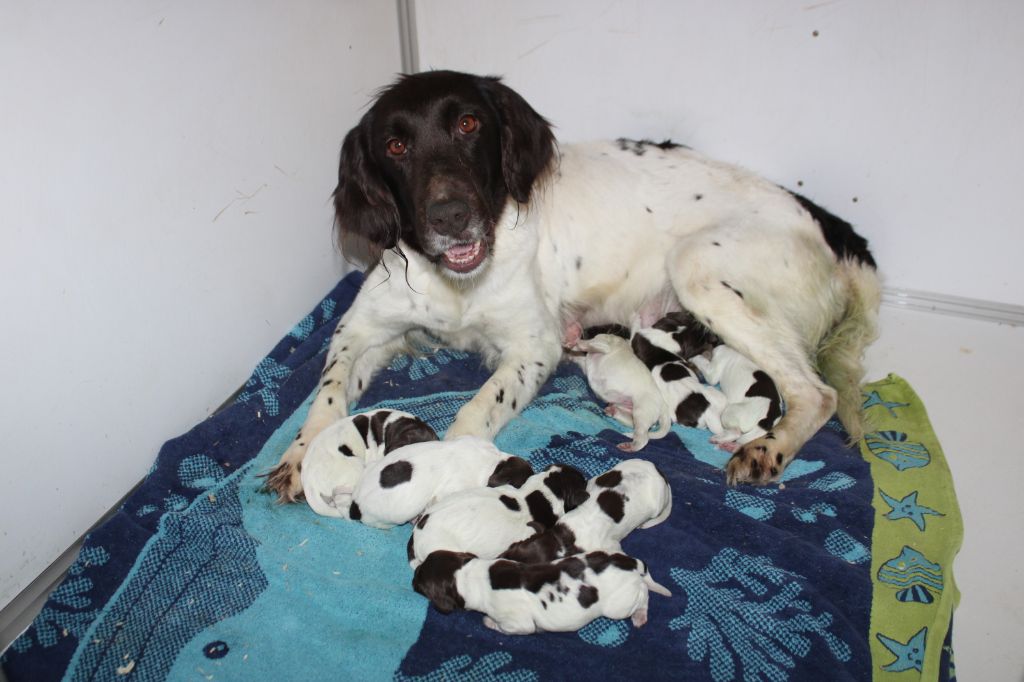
[(775, 317)]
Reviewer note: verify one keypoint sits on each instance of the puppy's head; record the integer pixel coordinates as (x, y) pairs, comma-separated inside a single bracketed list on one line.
[(435, 579), (433, 163)]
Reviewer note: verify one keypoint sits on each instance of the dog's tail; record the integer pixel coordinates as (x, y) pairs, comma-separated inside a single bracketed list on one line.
[(840, 353)]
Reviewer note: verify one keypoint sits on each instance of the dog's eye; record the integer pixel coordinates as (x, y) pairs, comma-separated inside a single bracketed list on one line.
[(396, 147), (468, 124)]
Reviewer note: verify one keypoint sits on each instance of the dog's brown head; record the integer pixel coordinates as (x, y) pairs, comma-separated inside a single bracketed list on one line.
[(433, 163)]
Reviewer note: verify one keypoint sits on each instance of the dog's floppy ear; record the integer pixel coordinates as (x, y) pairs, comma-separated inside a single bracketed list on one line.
[(405, 431), (435, 579), (363, 203), (527, 144), (512, 471)]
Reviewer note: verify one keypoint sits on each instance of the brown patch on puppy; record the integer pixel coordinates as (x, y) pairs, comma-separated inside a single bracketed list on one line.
[(613, 504), (395, 473), (513, 471), (609, 479)]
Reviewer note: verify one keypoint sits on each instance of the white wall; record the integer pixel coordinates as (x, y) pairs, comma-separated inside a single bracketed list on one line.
[(138, 287), (913, 108)]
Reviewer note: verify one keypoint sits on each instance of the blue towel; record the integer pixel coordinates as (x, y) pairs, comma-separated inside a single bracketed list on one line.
[(201, 576)]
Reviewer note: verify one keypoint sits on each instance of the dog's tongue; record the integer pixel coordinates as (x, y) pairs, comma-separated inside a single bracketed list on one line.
[(461, 251)]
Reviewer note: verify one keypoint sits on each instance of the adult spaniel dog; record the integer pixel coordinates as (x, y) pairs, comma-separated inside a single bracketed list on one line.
[(496, 239)]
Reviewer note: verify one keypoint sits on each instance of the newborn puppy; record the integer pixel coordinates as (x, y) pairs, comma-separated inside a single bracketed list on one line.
[(520, 599), (399, 487), (336, 458), (753, 403), (632, 494), (619, 378), (692, 403), (485, 521)]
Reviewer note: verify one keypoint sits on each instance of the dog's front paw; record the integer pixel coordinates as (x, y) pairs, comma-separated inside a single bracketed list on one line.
[(758, 462), (470, 421), (285, 479)]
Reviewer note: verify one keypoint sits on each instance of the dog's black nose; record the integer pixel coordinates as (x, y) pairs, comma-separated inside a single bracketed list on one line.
[(448, 217)]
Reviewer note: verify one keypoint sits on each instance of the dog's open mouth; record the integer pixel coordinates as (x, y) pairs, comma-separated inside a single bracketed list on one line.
[(465, 257)]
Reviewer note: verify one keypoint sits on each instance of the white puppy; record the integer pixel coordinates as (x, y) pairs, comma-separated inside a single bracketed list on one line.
[(486, 521), (753, 403), (336, 458), (632, 494), (398, 488), (520, 599), (619, 378)]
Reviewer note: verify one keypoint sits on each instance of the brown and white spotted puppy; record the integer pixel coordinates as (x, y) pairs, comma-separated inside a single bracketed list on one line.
[(632, 494), (398, 488), (486, 521), (520, 599), (337, 456), (619, 378)]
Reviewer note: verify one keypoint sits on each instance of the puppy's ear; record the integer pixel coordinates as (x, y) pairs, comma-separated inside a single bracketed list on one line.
[(512, 471), (435, 579), (363, 203), (527, 143), (405, 431), (569, 485)]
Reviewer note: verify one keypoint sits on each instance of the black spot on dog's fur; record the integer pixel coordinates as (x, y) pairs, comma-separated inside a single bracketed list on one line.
[(346, 450), (673, 371), (543, 547), (649, 354), (839, 234), (354, 512), (613, 504), (501, 396), (421, 522), (362, 424), (567, 484), (609, 479), (599, 561), (587, 596), (639, 147), (698, 197), (395, 473), (614, 329), (764, 387), (377, 425), (511, 502), (689, 410), (732, 289), (540, 509), (579, 262), (512, 471), (406, 431)]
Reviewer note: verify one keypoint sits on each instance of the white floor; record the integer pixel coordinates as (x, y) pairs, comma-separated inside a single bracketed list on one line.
[(971, 378)]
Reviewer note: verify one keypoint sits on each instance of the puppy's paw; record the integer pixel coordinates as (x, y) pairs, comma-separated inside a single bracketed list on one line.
[(639, 618), (758, 462)]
